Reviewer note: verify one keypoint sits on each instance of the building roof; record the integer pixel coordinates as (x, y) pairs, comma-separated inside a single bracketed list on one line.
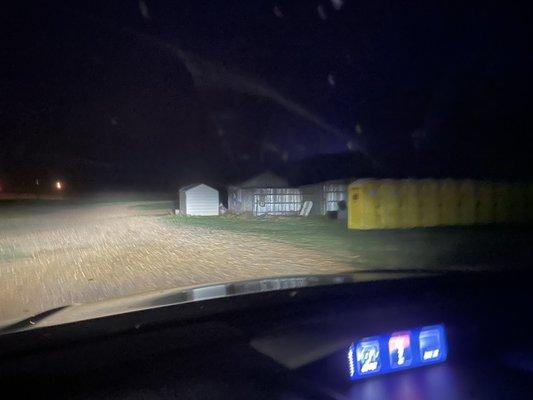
[(265, 180), (331, 182)]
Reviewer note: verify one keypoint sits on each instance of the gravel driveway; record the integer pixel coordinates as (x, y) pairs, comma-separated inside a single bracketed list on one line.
[(66, 255)]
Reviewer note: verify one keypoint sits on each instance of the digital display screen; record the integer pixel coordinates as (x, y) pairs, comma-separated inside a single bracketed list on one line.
[(368, 357), (397, 351), (400, 353)]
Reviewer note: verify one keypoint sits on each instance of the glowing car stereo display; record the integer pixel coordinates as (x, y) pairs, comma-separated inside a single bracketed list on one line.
[(397, 351)]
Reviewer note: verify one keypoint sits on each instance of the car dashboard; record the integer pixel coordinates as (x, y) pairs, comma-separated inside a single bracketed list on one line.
[(359, 340)]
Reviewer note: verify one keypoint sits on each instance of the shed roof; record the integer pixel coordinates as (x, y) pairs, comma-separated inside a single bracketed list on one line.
[(193, 185)]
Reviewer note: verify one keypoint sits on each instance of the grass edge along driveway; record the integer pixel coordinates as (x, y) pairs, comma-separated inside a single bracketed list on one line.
[(441, 247)]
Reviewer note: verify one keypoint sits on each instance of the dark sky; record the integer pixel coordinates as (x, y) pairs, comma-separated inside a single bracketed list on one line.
[(159, 93)]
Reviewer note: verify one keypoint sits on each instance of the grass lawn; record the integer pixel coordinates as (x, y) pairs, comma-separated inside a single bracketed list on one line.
[(155, 205), (140, 202), (488, 246), (10, 253)]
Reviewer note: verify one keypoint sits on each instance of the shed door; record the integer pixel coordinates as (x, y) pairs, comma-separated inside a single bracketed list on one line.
[(260, 204)]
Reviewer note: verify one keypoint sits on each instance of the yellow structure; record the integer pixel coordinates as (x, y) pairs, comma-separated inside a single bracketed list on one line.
[(518, 203), (389, 204), (363, 206), (355, 209), (485, 203), (501, 202), (467, 203), (429, 202), (529, 202), (448, 202), (409, 203)]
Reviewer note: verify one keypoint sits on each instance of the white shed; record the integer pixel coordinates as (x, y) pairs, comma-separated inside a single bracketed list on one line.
[(198, 199)]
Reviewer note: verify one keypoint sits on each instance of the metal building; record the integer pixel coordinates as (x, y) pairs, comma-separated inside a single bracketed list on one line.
[(277, 201), (264, 194), (325, 195), (198, 199)]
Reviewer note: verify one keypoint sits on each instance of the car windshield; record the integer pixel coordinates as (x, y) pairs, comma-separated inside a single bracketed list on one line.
[(149, 145)]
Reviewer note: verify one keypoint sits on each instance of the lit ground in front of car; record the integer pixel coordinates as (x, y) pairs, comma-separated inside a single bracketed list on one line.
[(64, 252), (54, 256)]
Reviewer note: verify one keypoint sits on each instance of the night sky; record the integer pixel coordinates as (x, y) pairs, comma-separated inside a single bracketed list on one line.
[(155, 94)]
